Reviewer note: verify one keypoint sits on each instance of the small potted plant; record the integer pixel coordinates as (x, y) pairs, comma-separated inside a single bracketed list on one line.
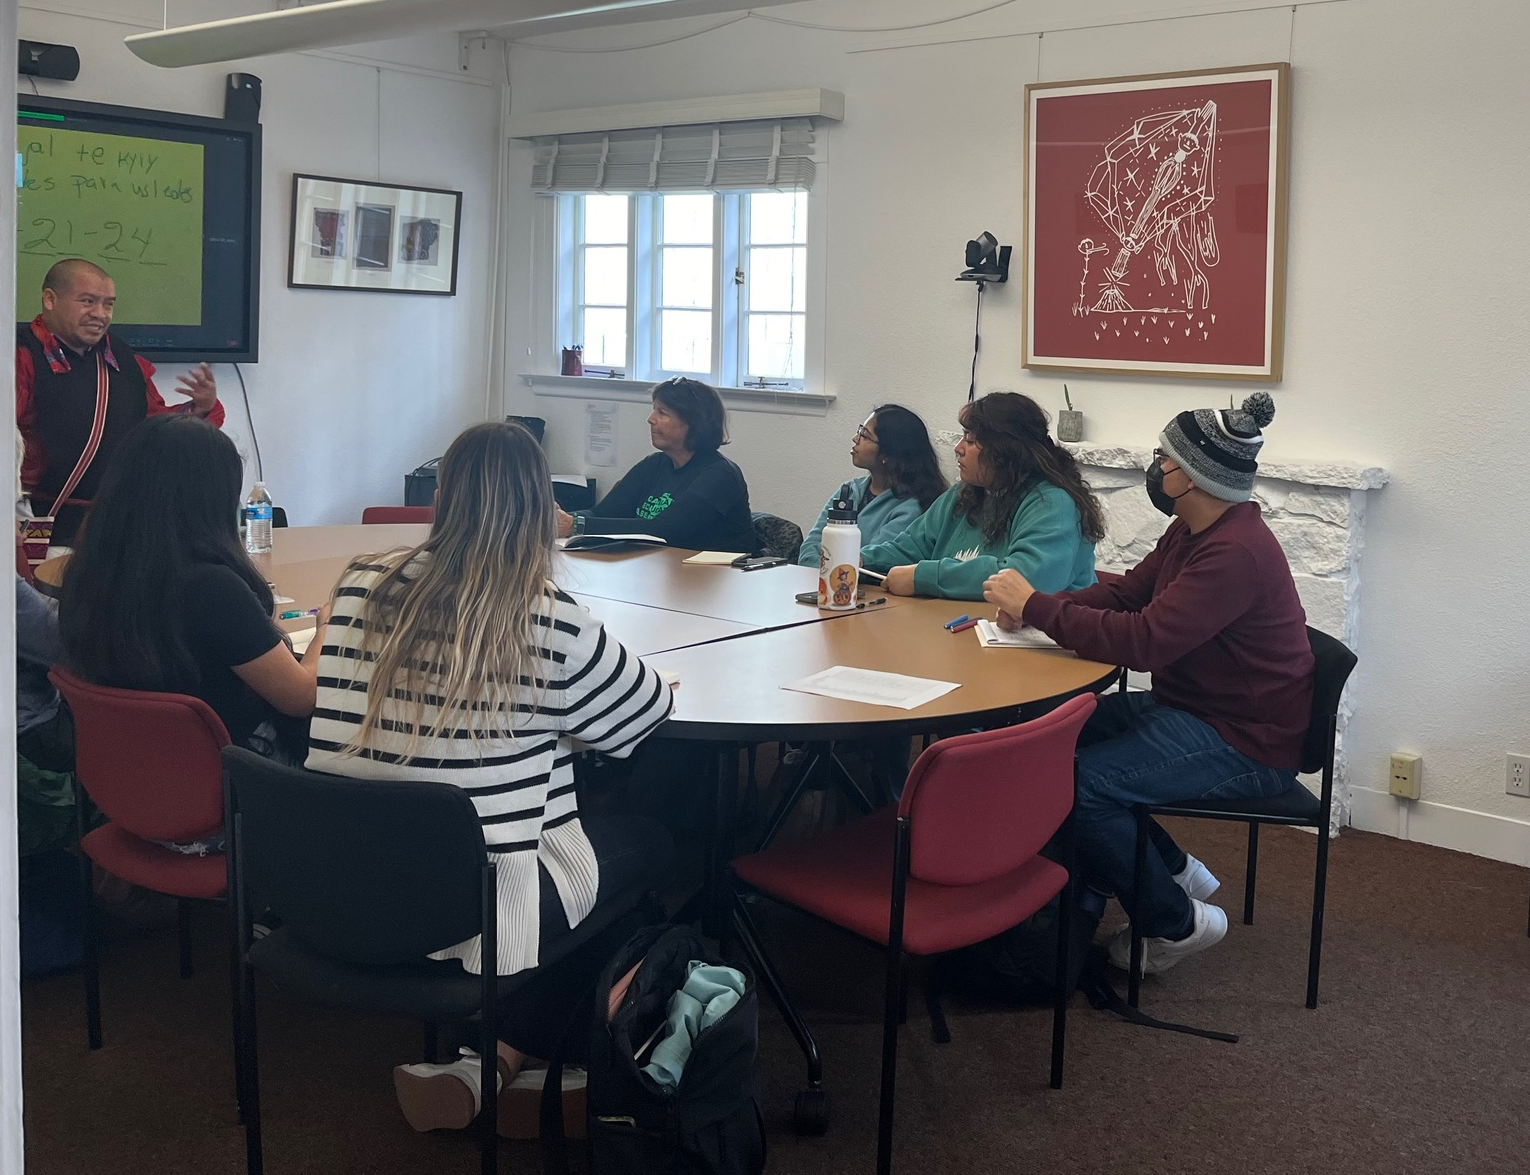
[(1070, 424)]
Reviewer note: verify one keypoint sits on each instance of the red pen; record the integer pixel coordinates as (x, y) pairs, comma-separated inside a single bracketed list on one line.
[(966, 624)]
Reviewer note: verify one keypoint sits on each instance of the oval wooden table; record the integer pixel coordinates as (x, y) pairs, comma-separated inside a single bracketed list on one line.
[(732, 695), (735, 691), (306, 562), (735, 639), (660, 578)]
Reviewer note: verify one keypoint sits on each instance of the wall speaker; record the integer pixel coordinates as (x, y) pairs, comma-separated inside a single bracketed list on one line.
[(241, 100), (39, 59)]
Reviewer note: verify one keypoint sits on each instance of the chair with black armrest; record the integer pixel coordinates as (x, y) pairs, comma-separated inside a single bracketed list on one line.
[(368, 878), (957, 860), (149, 762), (1297, 808)]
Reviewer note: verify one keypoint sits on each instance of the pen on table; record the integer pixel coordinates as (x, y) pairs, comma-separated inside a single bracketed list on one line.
[(871, 603), (965, 625), (296, 614), (951, 624)]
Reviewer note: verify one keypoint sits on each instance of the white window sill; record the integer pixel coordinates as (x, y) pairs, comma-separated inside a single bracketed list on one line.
[(596, 387)]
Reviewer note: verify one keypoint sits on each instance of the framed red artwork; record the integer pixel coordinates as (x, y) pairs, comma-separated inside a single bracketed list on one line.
[(1155, 223)]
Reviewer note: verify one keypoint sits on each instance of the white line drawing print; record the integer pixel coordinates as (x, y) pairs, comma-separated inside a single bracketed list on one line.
[(1088, 248), (1156, 186)]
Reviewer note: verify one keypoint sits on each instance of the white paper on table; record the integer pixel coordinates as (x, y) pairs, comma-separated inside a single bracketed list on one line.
[(600, 433), (301, 639), (874, 687), (991, 636), (715, 558), (277, 600)]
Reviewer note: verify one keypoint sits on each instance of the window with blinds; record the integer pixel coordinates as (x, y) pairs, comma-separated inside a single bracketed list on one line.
[(735, 156)]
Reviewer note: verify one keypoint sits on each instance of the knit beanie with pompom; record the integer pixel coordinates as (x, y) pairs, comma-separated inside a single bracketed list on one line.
[(1218, 447)]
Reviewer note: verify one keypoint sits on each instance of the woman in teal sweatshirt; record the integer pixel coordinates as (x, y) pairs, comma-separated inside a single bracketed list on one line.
[(903, 478), (1021, 503)]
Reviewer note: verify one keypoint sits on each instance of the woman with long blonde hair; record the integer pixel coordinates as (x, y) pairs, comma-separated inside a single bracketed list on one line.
[(461, 662)]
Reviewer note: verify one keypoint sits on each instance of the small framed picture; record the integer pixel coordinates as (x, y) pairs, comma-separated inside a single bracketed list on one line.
[(1155, 223), (356, 235)]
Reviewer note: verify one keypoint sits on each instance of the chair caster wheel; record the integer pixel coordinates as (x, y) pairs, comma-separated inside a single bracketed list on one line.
[(810, 1113)]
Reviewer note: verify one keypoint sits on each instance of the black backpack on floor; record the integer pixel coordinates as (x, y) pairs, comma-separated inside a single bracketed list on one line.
[(1019, 966), (710, 1124)]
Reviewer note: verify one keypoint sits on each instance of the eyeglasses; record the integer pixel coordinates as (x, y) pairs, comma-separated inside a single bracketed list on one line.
[(862, 434)]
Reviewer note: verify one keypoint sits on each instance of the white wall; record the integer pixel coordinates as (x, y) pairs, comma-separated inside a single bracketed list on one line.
[(352, 390), (1406, 341), (11, 1148)]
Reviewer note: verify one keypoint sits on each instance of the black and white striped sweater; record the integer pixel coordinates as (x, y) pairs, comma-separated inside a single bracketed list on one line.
[(521, 775)]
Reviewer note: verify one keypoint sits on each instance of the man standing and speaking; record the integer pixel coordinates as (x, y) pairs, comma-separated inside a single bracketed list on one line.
[(79, 388)]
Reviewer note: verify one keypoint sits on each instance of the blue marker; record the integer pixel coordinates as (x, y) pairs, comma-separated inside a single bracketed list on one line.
[(959, 620)]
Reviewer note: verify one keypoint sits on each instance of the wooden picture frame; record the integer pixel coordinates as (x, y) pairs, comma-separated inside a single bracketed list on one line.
[(360, 235), (1155, 223)]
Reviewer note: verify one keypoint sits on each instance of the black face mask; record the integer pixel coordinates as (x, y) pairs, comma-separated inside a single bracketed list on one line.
[(1161, 499)]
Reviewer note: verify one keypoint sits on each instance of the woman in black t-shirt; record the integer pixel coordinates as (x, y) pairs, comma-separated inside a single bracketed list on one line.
[(160, 594), (687, 494)]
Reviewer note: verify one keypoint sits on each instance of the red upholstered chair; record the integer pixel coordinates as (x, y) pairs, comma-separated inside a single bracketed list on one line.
[(23, 564), (955, 862), (151, 763), (383, 515)]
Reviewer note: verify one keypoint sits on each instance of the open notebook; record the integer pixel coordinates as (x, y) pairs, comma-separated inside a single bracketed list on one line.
[(991, 636)]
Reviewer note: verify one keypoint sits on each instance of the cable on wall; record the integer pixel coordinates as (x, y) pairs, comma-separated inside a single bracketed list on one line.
[(636, 48), (908, 28), (977, 341), (893, 28), (260, 469)]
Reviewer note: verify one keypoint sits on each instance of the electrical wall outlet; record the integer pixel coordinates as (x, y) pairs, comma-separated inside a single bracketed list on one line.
[(1406, 774), (1517, 782)]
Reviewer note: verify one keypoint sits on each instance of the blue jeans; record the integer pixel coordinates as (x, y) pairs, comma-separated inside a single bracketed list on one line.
[(1134, 751)]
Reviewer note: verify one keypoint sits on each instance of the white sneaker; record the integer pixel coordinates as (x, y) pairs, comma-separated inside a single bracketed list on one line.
[(1159, 954), (1198, 882), (442, 1097)]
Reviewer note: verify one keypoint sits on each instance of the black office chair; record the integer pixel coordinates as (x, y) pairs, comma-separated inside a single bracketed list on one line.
[(1297, 808), (776, 536), (368, 878)]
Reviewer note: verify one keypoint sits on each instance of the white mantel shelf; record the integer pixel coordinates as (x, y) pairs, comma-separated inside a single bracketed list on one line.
[(1332, 474)]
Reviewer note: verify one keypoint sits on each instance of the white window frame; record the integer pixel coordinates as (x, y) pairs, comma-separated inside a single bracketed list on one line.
[(741, 328), (571, 251), (651, 205), (562, 230)]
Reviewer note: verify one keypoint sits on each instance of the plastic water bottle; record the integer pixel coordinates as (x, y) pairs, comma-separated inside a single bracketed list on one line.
[(257, 521), (839, 554)]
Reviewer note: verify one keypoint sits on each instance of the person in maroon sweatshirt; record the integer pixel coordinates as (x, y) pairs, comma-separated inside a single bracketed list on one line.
[(1214, 616)]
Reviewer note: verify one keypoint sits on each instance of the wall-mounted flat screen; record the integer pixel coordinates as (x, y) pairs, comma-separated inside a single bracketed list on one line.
[(168, 204)]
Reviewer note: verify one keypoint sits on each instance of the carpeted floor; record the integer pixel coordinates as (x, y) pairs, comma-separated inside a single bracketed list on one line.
[(1417, 1061)]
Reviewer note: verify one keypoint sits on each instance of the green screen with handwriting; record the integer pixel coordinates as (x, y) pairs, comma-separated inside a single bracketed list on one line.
[(131, 205)]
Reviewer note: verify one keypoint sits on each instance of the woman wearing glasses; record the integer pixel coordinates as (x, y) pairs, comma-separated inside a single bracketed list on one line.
[(902, 479), (1021, 503), (687, 493)]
